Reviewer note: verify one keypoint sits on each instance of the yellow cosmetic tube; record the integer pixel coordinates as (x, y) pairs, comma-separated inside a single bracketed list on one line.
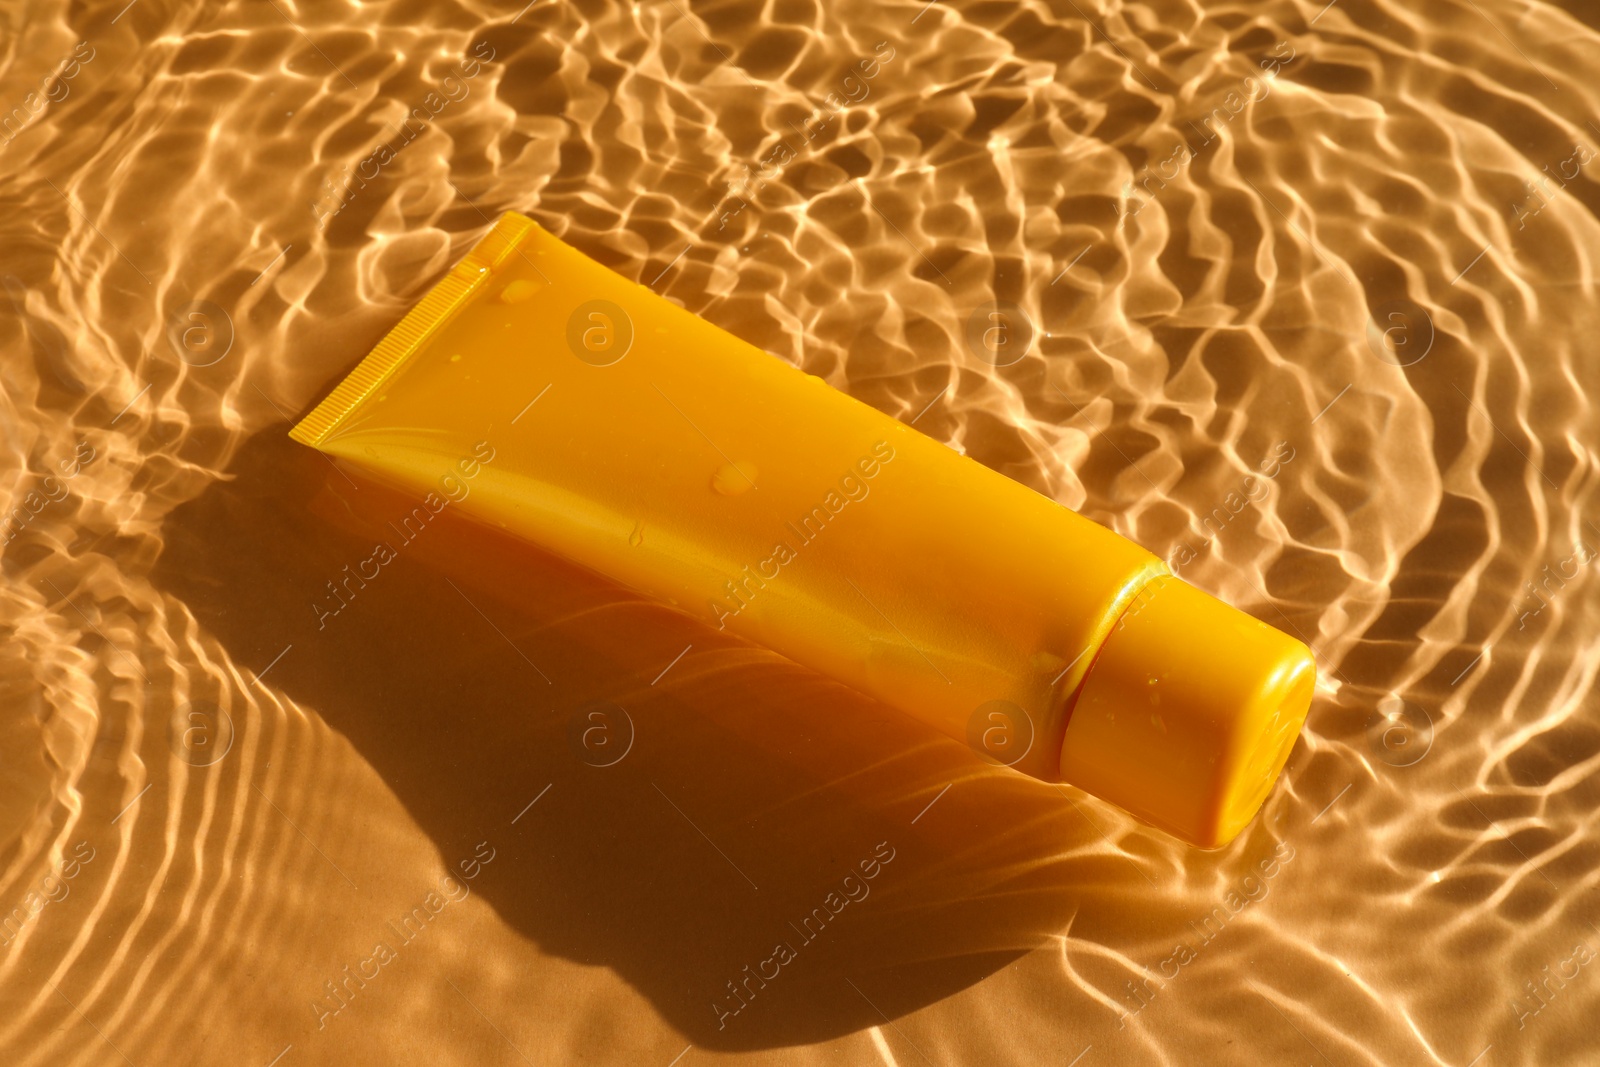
[(607, 425)]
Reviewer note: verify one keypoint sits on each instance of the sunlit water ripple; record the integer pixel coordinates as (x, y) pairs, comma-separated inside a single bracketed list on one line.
[(1311, 297)]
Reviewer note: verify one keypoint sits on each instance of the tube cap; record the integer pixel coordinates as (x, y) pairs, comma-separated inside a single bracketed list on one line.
[(1188, 714)]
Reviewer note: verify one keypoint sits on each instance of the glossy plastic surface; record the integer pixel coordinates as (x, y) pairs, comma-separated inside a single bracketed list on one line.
[(540, 392)]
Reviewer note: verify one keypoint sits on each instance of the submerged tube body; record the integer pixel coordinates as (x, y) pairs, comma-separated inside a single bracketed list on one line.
[(612, 427)]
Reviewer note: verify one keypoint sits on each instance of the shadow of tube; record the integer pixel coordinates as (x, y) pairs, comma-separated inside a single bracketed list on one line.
[(748, 790)]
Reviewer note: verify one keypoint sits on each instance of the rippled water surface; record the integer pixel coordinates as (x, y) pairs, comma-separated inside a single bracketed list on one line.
[(1302, 298)]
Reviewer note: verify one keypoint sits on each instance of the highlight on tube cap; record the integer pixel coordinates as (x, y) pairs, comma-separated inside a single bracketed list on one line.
[(1188, 714)]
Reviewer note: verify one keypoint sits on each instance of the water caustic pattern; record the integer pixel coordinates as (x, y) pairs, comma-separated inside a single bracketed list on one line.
[(1300, 297)]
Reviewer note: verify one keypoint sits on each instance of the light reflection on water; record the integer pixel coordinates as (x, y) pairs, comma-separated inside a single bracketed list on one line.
[(1352, 244)]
